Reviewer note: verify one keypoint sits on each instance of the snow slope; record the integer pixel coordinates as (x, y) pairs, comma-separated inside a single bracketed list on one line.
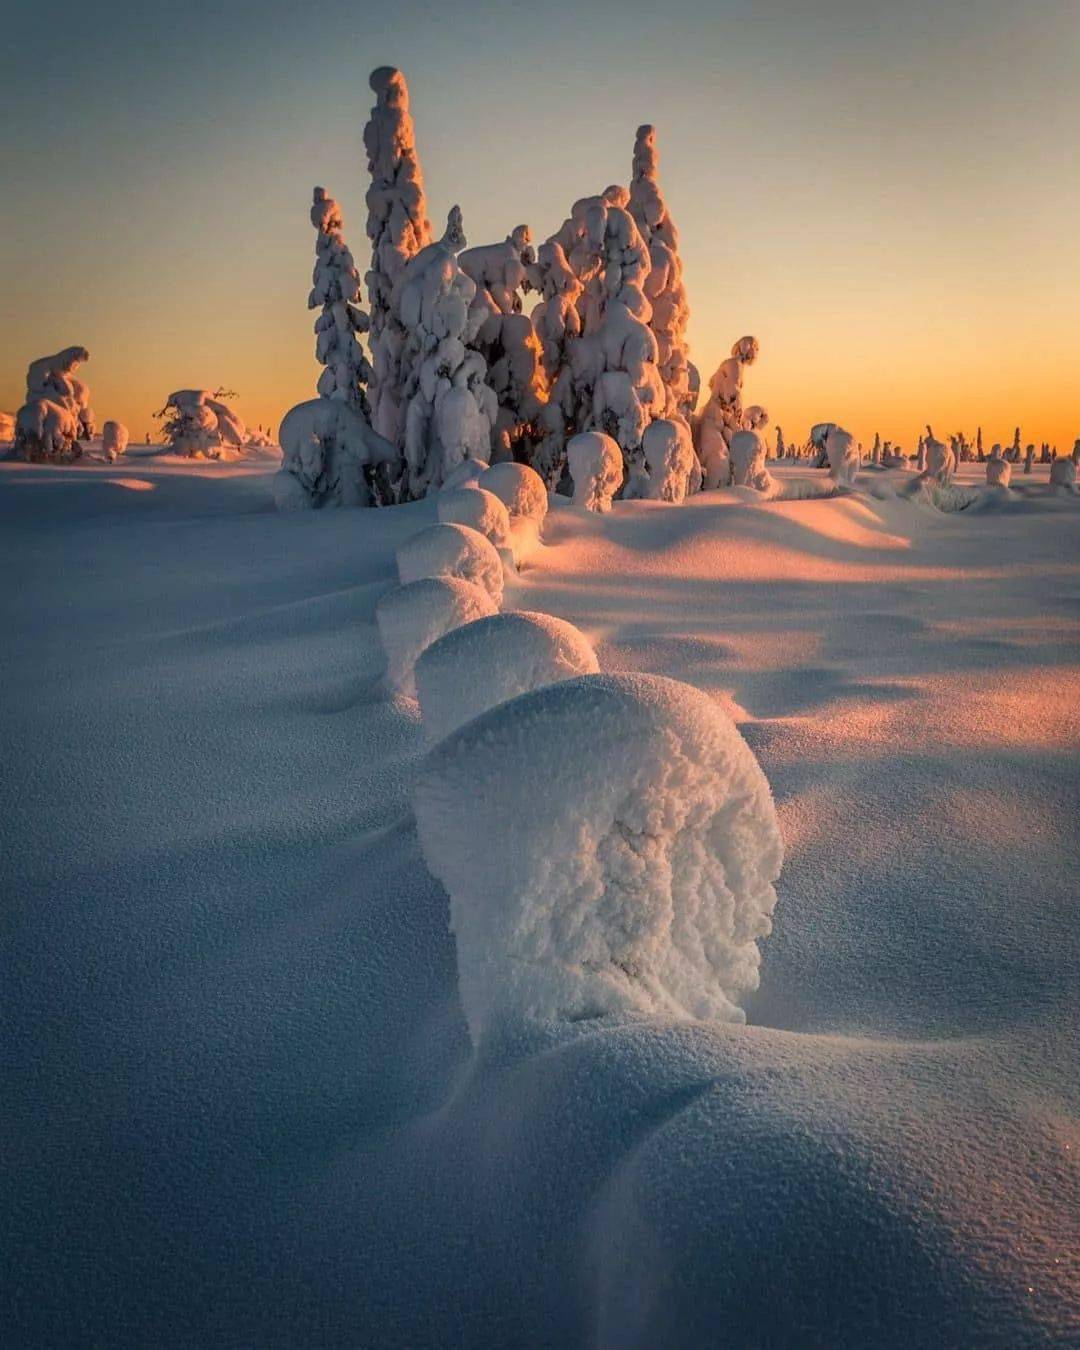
[(239, 1102)]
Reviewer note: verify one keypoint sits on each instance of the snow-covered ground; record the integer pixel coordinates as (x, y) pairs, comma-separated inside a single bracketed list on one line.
[(239, 1099)]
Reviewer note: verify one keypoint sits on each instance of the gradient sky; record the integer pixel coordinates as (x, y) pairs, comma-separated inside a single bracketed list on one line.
[(885, 192)]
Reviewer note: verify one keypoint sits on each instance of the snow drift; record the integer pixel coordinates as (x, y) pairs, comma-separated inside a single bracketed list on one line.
[(413, 616), (631, 845), (492, 660)]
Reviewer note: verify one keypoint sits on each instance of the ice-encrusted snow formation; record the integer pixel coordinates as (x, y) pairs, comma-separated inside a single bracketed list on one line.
[(57, 413), (114, 440), (722, 415), (940, 459), (335, 291), (413, 616), (478, 508), (503, 273), (631, 845), (519, 488), (200, 425), (596, 467), (330, 457), (664, 288), (450, 410), (398, 229), (476, 667), (845, 455), (452, 551), (671, 464), (998, 469), (749, 451)]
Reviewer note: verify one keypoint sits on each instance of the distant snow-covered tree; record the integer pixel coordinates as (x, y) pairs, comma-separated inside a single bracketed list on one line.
[(398, 229), (199, 425), (57, 413), (664, 288), (722, 415), (335, 292), (940, 459)]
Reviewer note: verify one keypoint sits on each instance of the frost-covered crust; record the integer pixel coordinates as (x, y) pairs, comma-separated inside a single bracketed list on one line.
[(485, 663), (630, 850)]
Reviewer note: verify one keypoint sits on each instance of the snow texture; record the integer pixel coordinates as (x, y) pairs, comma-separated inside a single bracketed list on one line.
[(114, 440), (596, 467), (452, 551), (413, 616), (330, 457), (483, 664), (519, 488), (666, 839), (478, 508)]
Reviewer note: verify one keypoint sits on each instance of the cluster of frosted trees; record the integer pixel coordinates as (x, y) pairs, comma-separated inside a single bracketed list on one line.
[(457, 369)]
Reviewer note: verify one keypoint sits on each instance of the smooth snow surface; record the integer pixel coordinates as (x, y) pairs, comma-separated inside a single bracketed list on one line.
[(630, 849), (452, 551), (239, 1100), (476, 667)]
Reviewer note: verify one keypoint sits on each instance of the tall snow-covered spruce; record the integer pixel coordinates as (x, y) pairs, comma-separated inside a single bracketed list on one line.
[(398, 229), (335, 291)]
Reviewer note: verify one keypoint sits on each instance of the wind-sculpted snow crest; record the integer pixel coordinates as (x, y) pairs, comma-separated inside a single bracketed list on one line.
[(630, 849)]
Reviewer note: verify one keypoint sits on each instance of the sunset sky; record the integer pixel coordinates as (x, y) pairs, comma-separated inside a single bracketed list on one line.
[(887, 194)]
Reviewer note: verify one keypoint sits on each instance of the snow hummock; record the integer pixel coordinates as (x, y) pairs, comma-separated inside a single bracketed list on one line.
[(452, 551), (998, 469), (631, 845), (114, 440), (485, 663), (478, 508), (596, 467), (519, 488), (413, 616)]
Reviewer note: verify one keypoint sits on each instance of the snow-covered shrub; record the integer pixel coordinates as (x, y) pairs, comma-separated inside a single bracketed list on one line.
[(998, 469), (57, 413), (596, 467), (330, 457), (452, 551), (519, 488), (478, 508), (476, 667), (450, 411), (398, 228), (1063, 474), (722, 415), (671, 465), (748, 451), (507, 340), (114, 440), (466, 475), (845, 455), (199, 425), (629, 853), (663, 287), (335, 292), (940, 459), (413, 616)]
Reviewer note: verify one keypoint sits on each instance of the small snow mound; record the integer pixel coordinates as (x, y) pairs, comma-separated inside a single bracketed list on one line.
[(596, 466), (519, 488), (668, 447), (452, 551), (412, 617), (844, 455), (488, 662), (114, 440), (630, 845), (464, 475), (479, 509), (1063, 475)]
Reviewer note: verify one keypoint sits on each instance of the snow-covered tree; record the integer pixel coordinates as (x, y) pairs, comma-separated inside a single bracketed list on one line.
[(398, 228), (1029, 459), (450, 410), (114, 440), (198, 424), (57, 413), (331, 457), (844, 455), (1015, 451), (335, 292), (781, 448), (940, 459), (998, 469), (979, 452), (664, 288), (722, 415), (507, 339)]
